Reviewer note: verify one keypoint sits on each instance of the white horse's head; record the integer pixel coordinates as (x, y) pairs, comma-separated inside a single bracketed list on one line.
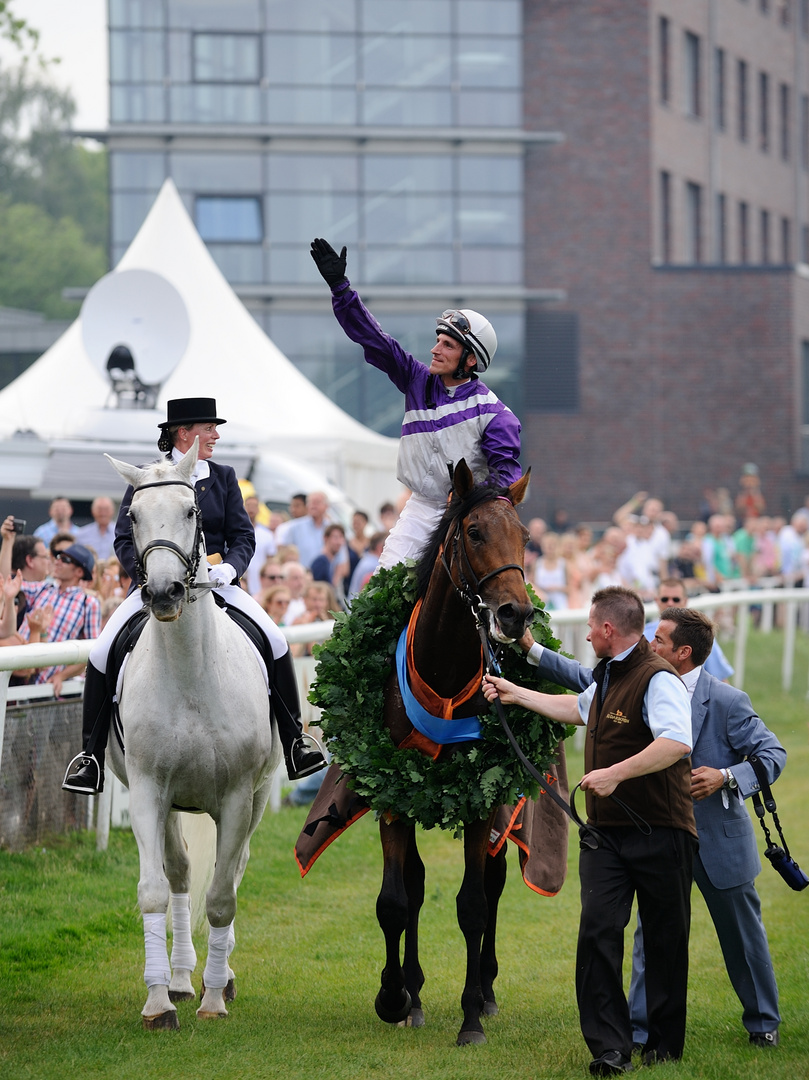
[(164, 520)]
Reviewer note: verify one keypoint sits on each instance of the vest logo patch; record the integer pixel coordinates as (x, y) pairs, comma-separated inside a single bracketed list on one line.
[(618, 717)]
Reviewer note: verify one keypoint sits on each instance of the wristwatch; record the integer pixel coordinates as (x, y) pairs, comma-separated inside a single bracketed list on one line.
[(730, 780)]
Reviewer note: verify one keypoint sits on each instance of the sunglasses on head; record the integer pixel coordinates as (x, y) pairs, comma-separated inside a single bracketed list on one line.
[(456, 319)]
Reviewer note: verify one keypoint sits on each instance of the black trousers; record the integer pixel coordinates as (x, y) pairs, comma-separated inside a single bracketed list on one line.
[(658, 868)]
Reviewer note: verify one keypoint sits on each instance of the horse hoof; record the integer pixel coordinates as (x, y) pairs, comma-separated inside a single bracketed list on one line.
[(229, 993), (415, 1018), (471, 1038), (392, 1014), (211, 1015), (166, 1021), (182, 995), (490, 1008)]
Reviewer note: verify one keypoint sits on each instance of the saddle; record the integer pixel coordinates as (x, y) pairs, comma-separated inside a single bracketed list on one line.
[(129, 635)]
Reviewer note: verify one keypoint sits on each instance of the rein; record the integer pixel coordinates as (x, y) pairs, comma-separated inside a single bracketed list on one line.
[(190, 561)]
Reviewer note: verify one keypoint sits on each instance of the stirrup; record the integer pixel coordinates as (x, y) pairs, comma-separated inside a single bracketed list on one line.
[(88, 784), (307, 746)]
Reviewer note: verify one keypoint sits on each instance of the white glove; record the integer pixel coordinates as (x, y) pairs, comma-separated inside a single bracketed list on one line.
[(222, 572)]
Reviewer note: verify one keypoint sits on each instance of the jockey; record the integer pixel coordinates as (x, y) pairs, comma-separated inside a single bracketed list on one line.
[(449, 413), (229, 543)]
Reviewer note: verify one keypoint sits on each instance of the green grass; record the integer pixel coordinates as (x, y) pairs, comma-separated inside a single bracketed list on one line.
[(309, 954)]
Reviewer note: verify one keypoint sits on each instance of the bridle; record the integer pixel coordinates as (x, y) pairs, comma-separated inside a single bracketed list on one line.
[(469, 589), (190, 560)]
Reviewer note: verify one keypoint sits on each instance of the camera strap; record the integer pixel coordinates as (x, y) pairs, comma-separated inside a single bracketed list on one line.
[(768, 803)]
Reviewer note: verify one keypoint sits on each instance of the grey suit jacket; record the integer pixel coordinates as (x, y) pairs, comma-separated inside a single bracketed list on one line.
[(725, 731)]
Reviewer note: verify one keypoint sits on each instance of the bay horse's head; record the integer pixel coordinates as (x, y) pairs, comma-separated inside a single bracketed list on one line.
[(481, 545), (166, 531)]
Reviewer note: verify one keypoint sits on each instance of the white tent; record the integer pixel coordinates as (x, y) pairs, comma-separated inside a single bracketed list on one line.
[(60, 414)]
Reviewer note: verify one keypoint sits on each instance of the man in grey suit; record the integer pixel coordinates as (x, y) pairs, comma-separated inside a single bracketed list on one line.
[(725, 731)]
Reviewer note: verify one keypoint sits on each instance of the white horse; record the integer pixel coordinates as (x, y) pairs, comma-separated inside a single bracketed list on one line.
[(197, 734)]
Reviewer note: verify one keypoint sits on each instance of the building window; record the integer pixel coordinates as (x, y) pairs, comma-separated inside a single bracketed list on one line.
[(665, 216), (744, 233), (693, 74), (786, 241), (784, 111), (764, 229), (551, 375), (742, 111), (784, 11), (719, 90), (226, 58), (804, 8), (721, 229), (225, 219), (805, 244), (764, 112), (664, 47), (693, 237), (805, 132)]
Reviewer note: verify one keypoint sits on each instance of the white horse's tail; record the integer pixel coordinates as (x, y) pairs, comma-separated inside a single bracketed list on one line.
[(199, 832)]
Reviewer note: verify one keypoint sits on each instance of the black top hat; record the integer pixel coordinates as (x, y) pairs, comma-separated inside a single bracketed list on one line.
[(191, 410)]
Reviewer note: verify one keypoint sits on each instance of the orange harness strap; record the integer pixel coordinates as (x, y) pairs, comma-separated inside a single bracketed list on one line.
[(425, 695)]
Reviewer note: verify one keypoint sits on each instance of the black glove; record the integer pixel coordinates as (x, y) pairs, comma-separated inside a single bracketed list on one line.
[(332, 266)]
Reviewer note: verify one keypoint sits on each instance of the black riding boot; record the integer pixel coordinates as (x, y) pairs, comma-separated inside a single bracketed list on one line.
[(85, 773), (301, 752)]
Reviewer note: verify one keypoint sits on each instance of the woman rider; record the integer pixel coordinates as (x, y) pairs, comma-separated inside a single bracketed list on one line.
[(230, 544)]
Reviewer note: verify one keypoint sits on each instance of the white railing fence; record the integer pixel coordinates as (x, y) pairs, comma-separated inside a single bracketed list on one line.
[(784, 608)]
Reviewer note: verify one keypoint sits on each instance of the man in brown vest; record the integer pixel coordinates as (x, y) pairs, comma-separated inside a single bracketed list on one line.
[(638, 719)]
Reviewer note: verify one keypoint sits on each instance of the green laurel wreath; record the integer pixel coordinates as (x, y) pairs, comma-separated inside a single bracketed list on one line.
[(353, 666)]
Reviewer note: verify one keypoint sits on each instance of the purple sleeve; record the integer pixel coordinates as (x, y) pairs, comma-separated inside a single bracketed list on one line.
[(501, 445), (380, 349)]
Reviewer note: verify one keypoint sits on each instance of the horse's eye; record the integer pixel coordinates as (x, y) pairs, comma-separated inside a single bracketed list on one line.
[(190, 512), (132, 518), (474, 533)]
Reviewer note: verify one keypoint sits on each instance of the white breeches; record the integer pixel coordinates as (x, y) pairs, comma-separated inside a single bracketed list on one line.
[(233, 597), (411, 532)]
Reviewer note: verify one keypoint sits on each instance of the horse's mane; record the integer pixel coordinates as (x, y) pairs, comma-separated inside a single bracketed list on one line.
[(458, 508)]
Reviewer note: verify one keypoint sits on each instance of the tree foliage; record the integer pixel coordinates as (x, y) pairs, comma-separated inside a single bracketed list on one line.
[(53, 197)]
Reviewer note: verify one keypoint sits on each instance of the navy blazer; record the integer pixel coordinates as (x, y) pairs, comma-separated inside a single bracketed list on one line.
[(725, 730), (225, 524)]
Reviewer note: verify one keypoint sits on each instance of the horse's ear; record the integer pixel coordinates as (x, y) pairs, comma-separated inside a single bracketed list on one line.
[(185, 466), (131, 473), (462, 479), (518, 488)]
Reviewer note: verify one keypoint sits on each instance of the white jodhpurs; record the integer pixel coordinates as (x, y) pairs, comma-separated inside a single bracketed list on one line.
[(233, 597), (411, 532)]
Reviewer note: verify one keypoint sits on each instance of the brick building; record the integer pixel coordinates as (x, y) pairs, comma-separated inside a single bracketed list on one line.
[(675, 217), (646, 276)]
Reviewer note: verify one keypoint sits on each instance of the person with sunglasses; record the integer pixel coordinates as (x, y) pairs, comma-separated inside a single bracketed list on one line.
[(671, 594), (449, 412)]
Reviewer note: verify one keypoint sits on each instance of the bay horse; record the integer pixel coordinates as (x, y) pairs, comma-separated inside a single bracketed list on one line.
[(198, 735), (473, 566)]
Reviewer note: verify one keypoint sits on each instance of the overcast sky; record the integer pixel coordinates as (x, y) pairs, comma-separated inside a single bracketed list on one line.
[(76, 32)]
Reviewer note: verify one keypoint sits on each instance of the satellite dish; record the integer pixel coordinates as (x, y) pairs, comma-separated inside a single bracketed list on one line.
[(142, 312)]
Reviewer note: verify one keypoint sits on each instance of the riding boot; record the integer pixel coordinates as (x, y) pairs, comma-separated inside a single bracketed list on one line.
[(85, 773), (302, 753)]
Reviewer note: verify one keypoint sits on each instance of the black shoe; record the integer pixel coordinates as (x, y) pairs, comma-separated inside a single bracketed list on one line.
[(613, 1063), (765, 1038), (304, 758), (87, 778)]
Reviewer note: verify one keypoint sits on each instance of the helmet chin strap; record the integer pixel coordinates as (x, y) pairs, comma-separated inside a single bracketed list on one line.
[(460, 371)]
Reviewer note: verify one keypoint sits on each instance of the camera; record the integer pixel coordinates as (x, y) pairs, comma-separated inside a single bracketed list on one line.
[(19, 525), (787, 867)]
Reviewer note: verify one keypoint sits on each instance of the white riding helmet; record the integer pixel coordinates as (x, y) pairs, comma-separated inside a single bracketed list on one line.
[(472, 330)]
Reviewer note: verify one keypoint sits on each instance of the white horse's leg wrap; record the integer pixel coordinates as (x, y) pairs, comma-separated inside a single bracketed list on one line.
[(216, 967), (157, 971), (182, 950)]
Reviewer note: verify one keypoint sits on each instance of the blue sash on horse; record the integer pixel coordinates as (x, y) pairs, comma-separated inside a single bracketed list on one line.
[(437, 728)]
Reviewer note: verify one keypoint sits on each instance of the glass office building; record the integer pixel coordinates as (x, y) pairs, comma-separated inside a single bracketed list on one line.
[(391, 126)]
